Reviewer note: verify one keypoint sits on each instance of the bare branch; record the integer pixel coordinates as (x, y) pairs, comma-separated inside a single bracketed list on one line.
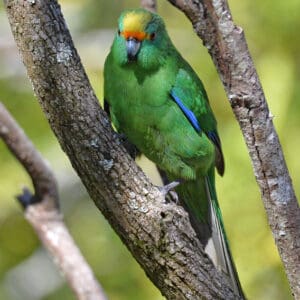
[(149, 4), (42, 178), (226, 44), (158, 234), (43, 214)]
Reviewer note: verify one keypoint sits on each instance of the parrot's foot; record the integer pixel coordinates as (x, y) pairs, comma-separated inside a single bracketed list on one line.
[(168, 193)]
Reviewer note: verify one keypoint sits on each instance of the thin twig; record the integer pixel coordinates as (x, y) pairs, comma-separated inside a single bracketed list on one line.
[(41, 210), (42, 177)]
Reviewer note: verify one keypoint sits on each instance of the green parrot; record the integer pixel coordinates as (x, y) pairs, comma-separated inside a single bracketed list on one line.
[(157, 101)]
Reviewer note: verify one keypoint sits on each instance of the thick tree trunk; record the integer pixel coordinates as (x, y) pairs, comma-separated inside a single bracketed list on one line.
[(226, 44), (158, 234)]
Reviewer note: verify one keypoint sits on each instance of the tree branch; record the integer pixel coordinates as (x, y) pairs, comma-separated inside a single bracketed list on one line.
[(227, 46), (149, 4), (158, 234), (41, 210)]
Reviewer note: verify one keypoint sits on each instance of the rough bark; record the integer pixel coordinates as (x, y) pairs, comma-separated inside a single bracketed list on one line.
[(158, 234), (227, 46), (41, 211)]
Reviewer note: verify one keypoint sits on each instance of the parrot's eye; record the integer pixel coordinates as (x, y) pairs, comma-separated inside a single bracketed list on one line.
[(119, 31), (152, 36)]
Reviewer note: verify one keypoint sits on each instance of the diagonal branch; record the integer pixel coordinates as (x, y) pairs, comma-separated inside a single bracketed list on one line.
[(41, 210), (158, 234), (21, 147), (226, 44)]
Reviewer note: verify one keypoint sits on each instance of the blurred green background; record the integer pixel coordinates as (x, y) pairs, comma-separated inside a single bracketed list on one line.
[(26, 272)]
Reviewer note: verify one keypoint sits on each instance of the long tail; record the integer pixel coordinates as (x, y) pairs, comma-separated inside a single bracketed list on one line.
[(220, 241), (199, 198)]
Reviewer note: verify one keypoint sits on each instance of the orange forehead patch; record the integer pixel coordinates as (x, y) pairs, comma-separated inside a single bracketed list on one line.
[(139, 35)]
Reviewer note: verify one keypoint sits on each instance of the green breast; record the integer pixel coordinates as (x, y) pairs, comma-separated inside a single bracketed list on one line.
[(137, 101)]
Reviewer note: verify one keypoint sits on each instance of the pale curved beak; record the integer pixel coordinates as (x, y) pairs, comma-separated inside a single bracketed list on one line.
[(133, 47)]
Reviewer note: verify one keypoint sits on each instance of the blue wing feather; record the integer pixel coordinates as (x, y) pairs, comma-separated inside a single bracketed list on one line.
[(212, 134), (187, 112), (214, 137)]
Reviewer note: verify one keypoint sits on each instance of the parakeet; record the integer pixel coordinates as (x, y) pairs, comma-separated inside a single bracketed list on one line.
[(157, 101)]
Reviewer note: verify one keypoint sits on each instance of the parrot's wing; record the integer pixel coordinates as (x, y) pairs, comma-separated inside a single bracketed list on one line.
[(187, 112), (189, 94)]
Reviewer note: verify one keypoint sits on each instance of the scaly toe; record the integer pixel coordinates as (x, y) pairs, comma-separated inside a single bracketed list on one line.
[(167, 191)]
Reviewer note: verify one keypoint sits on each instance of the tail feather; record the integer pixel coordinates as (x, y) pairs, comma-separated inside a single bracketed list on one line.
[(223, 255), (200, 200)]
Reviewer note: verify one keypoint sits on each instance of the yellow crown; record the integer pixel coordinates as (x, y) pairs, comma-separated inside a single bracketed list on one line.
[(136, 22)]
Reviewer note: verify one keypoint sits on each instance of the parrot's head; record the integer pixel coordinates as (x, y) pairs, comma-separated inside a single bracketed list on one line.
[(141, 39)]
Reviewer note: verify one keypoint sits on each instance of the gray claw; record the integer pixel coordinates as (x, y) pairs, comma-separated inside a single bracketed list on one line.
[(168, 193)]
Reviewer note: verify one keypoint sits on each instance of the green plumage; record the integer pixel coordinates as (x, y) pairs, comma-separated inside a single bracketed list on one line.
[(143, 72)]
